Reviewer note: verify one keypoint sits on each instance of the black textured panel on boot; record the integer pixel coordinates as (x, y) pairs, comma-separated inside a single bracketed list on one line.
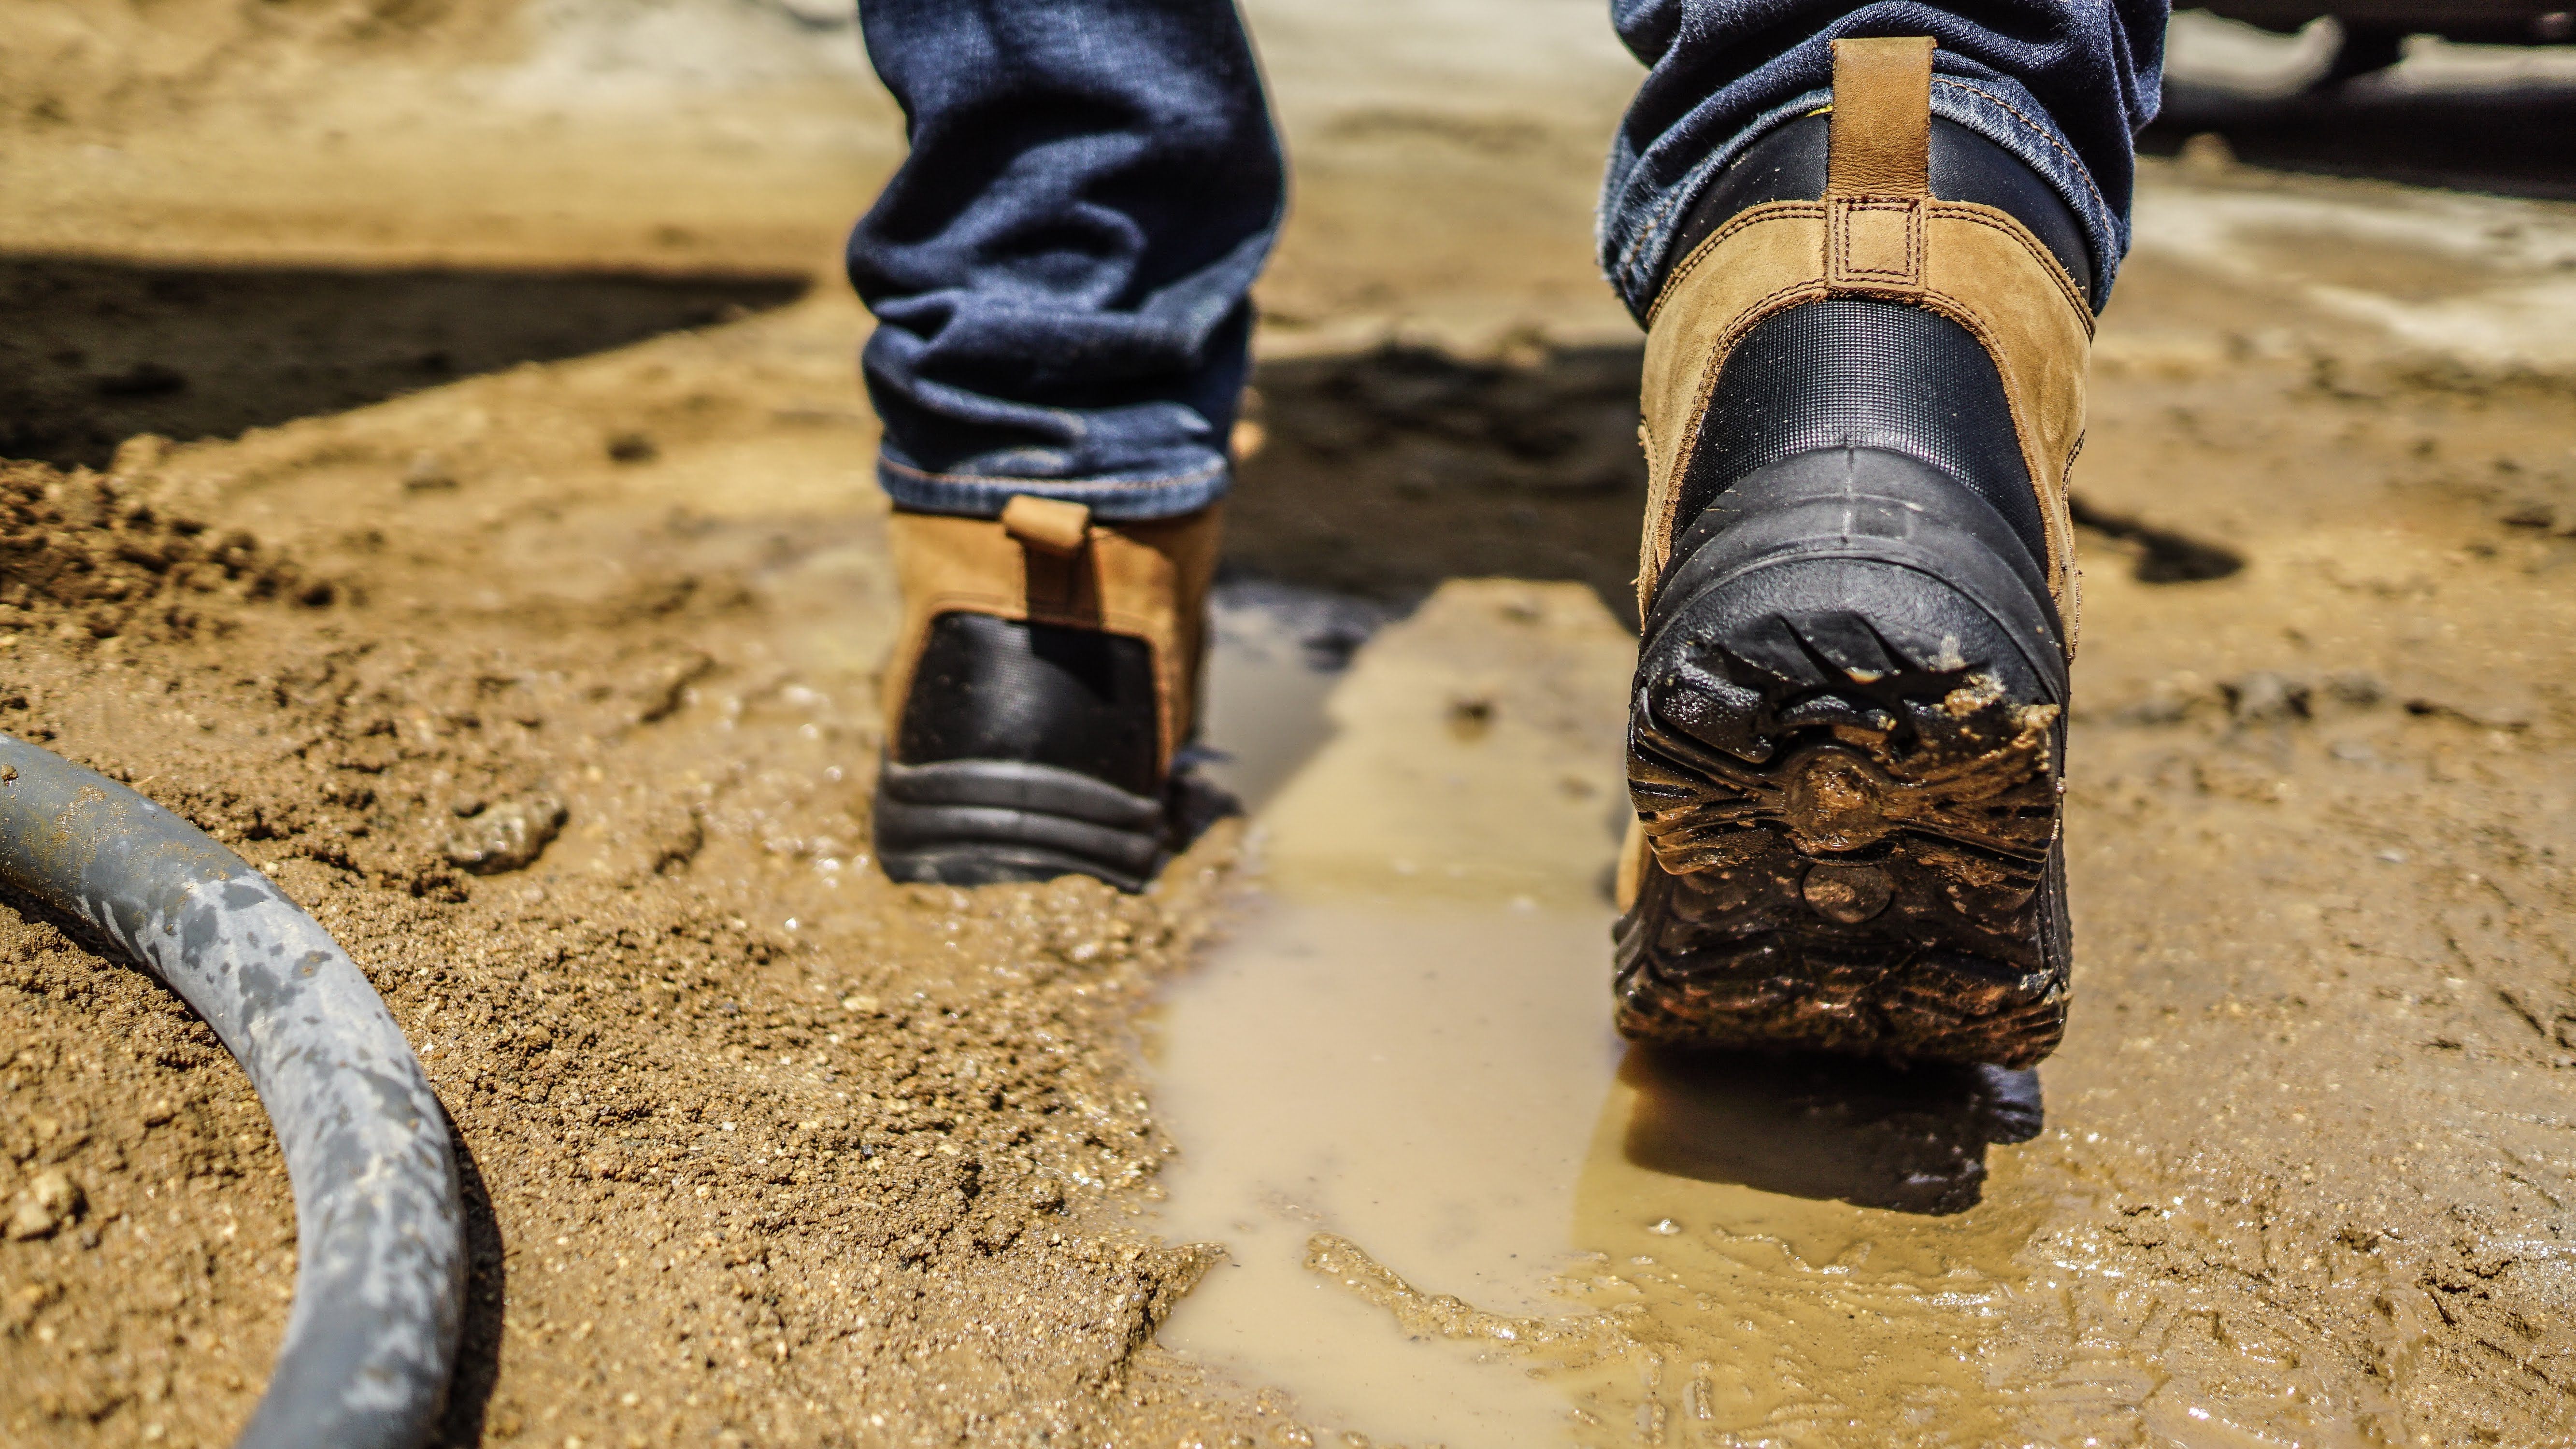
[(1002, 689), (1853, 372)]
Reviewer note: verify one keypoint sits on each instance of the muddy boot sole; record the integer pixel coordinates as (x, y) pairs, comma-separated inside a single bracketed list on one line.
[(1845, 746)]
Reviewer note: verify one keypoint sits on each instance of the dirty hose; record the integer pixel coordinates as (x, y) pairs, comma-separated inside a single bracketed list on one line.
[(380, 1262)]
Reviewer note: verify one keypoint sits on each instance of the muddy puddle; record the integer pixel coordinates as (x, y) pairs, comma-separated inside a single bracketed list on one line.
[(1458, 1210)]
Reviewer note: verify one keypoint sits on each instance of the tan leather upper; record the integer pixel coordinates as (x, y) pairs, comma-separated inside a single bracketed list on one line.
[(1877, 232), (1045, 561)]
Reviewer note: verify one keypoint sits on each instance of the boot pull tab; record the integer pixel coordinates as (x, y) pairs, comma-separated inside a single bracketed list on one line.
[(1879, 142), (1878, 164), (1052, 535), (1048, 523)]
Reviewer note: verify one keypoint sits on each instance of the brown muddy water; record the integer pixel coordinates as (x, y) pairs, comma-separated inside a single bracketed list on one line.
[(1457, 1210)]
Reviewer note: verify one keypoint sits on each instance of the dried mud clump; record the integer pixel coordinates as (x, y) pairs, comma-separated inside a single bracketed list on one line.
[(91, 557), (505, 837)]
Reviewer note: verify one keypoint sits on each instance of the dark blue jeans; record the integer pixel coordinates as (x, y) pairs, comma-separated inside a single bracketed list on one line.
[(1059, 271)]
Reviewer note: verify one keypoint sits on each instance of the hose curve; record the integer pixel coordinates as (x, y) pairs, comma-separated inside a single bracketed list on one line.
[(380, 1261)]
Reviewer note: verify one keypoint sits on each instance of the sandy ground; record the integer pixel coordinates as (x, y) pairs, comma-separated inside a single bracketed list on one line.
[(764, 1150)]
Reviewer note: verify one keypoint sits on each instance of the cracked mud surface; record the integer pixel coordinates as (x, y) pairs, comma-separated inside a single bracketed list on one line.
[(877, 1176)]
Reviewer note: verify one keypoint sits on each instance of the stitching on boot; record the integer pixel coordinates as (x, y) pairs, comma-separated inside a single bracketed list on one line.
[(1874, 244)]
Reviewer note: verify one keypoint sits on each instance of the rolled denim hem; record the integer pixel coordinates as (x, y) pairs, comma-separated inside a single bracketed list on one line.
[(2006, 115), (1997, 110), (1635, 233), (1111, 500)]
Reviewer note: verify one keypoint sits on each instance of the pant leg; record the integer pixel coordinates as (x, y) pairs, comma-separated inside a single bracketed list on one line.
[(1059, 269), (2062, 84)]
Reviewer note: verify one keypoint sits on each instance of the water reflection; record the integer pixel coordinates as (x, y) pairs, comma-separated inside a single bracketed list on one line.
[(1826, 1128), (1790, 1243)]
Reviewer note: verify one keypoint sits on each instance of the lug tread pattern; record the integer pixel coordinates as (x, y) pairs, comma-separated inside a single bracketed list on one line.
[(1847, 766)]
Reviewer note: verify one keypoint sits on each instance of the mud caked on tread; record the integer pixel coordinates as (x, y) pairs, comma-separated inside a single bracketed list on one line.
[(1847, 734)]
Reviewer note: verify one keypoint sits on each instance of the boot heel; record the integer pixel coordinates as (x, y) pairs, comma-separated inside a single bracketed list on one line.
[(1844, 750), (975, 822)]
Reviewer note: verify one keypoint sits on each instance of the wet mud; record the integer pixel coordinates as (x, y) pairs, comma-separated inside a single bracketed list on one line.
[(1395, 1094), (762, 1150)]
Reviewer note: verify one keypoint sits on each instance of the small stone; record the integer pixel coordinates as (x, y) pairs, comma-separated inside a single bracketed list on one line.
[(139, 454), (2532, 514), (507, 836), (48, 1201), (427, 473), (632, 448), (21, 1307), (2358, 688), (2206, 153), (2264, 697)]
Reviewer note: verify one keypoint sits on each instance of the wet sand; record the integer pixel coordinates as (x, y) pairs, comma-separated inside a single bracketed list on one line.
[(764, 1150)]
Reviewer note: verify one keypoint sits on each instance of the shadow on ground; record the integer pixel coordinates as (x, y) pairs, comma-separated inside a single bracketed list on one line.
[(1385, 472), (1827, 1128), (1388, 471), (2515, 139), (478, 1356), (96, 351)]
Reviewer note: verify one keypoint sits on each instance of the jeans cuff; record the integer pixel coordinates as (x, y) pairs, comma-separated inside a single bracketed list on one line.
[(1111, 500), (2001, 111), (1637, 231), (2005, 114)]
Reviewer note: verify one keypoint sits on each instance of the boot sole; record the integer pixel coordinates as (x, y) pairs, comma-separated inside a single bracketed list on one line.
[(1845, 746), (981, 822)]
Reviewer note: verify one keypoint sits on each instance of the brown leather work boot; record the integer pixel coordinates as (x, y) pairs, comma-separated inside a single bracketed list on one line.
[(1047, 673), (1864, 387)]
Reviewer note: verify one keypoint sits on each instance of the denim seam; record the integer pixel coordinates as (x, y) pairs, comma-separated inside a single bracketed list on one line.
[(1695, 181), (2082, 171), (988, 480)]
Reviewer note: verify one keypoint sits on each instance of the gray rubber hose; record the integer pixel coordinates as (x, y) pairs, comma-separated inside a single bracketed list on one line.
[(380, 1255)]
